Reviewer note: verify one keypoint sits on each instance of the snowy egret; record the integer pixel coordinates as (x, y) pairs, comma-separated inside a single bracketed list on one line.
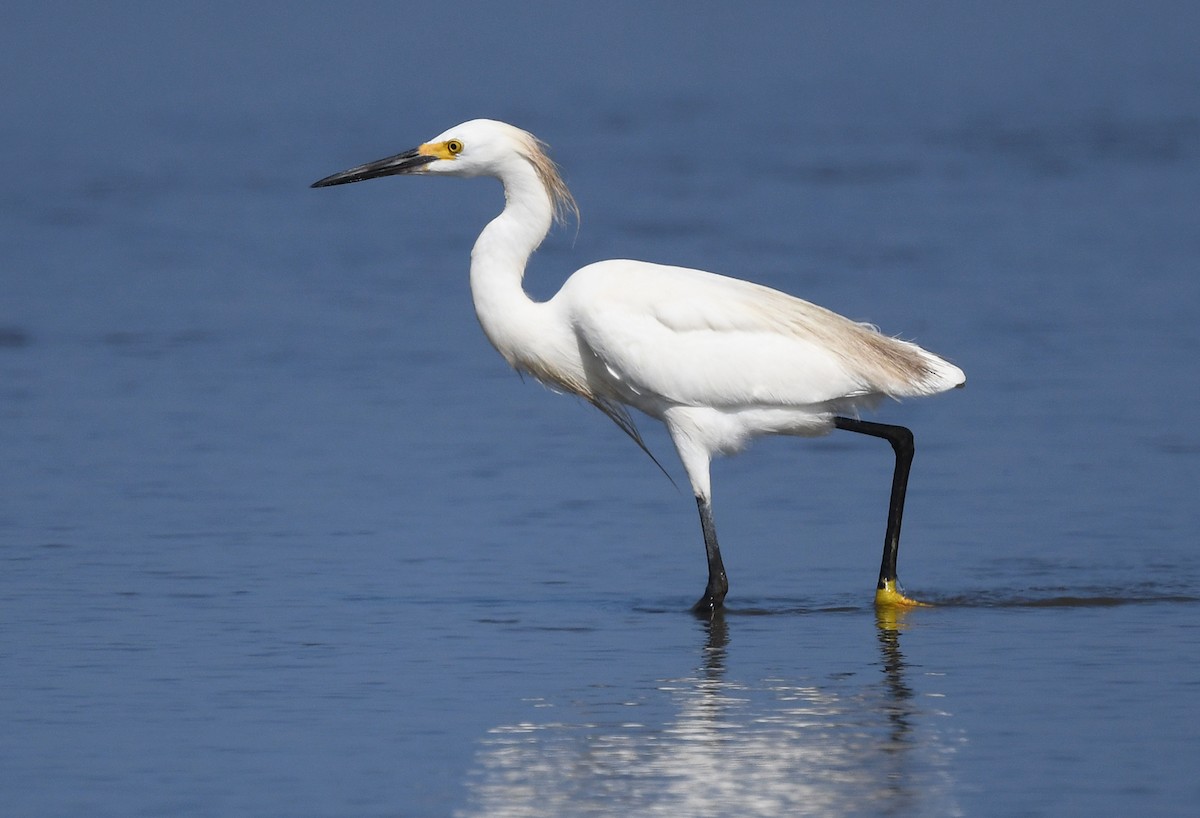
[(718, 360)]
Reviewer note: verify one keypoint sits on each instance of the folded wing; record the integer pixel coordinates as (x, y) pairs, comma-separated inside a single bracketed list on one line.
[(694, 338)]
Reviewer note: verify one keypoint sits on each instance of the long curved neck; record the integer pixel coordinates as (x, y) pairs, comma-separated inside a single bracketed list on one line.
[(508, 316)]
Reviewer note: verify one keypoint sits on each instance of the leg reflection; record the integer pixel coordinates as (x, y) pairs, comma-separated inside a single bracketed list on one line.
[(720, 738)]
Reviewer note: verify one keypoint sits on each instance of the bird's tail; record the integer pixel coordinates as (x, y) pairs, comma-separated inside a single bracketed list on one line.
[(941, 376)]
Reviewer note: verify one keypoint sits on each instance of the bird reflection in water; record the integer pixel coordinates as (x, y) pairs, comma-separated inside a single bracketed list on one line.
[(725, 747)]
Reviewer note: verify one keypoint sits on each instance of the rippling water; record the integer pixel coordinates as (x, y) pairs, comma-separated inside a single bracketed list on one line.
[(702, 743), (281, 535)]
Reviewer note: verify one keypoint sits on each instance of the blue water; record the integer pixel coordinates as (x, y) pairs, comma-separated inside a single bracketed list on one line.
[(281, 535)]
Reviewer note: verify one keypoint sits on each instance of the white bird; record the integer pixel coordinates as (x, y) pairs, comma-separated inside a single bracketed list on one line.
[(718, 360)]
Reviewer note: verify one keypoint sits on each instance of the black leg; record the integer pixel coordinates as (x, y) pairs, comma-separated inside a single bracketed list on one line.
[(902, 444), (718, 583)]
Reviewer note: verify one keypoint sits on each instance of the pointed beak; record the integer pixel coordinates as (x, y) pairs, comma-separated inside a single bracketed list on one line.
[(408, 162)]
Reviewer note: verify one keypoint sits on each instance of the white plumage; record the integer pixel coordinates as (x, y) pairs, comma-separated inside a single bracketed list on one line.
[(718, 360)]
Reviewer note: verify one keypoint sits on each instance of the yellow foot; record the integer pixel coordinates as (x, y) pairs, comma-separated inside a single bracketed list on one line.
[(890, 596)]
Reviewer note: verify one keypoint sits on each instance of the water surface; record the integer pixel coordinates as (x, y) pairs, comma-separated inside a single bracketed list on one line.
[(281, 535)]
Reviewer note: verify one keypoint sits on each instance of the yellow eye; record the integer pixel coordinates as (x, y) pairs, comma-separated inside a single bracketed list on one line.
[(454, 147)]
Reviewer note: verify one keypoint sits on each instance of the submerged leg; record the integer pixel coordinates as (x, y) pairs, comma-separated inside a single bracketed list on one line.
[(718, 583), (887, 591)]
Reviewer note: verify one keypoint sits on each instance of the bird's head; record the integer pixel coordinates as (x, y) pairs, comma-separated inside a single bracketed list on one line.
[(480, 147)]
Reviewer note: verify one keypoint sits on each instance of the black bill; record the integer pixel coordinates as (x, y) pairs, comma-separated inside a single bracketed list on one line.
[(407, 162)]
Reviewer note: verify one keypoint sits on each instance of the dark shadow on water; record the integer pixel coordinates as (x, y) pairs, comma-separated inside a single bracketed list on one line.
[(1099, 602), (1064, 598), (1059, 597)]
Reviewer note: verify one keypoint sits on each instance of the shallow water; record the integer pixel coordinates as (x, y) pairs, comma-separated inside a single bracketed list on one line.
[(281, 535)]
